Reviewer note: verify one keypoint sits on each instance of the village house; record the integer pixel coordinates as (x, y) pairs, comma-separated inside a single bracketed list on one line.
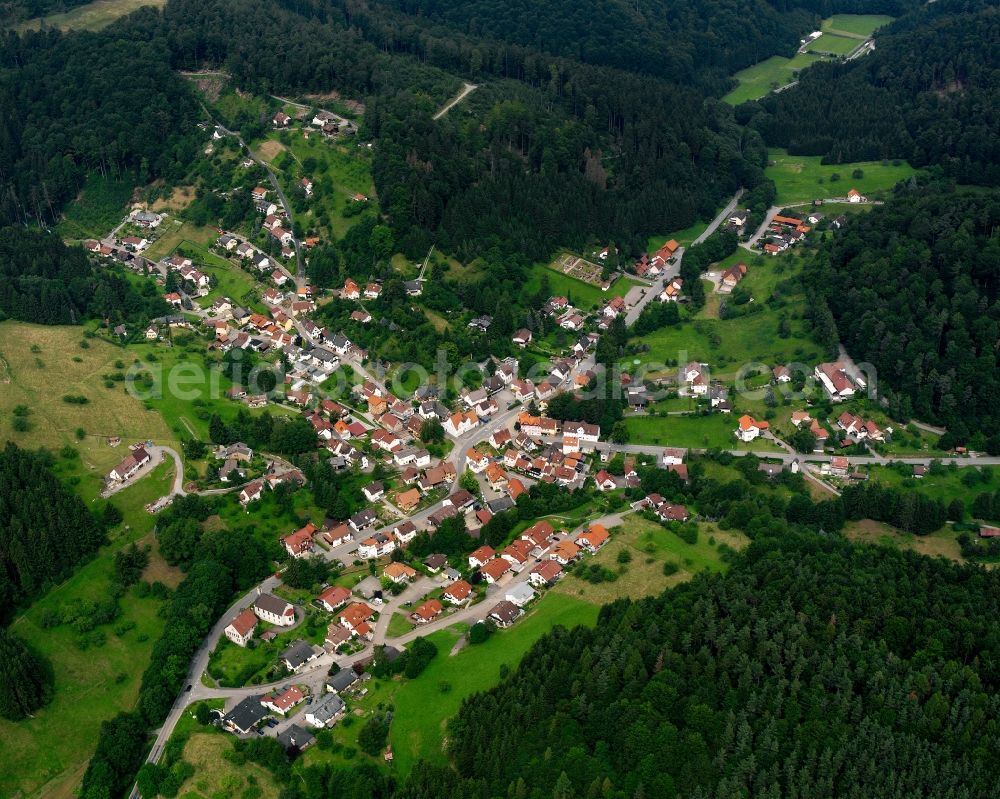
[(399, 573), (285, 701), (522, 338), (835, 381), (520, 594), (592, 539), (749, 428), (457, 593), (325, 712), (545, 574), (377, 546), (240, 630), (427, 612), (732, 276), (493, 570), (332, 598), (251, 492), (481, 556), (298, 654), (300, 543), (505, 613), (356, 615)]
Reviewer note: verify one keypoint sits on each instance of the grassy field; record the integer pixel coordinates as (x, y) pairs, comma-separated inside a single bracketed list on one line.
[(845, 31), (39, 364), (582, 295), (683, 237), (776, 71), (699, 432), (941, 543), (728, 344), (100, 206), (187, 388), (801, 178), (650, 546), (338, 170), (422, 707), (217, 777), (177, 234), (93, 683), (90, 17), (833, 43), (859, 25)]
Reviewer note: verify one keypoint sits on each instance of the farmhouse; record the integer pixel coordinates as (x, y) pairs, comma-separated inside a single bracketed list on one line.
[(129, 466), (835, 381)]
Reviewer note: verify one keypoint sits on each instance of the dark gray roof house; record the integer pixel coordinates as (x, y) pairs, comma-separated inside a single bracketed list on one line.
[(296, 738), (341, 681), (298, 654), (245, 716)]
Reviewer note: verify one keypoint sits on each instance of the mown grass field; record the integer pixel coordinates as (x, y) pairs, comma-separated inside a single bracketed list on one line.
[(698, 432), (772, 73), (801, 178), (860, 25), (650, 546), (833, 43), (60, 366), (90, 17), (777, 71), (40, 757)]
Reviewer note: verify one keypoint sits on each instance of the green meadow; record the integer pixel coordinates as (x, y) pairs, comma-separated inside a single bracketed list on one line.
[(802, 178)]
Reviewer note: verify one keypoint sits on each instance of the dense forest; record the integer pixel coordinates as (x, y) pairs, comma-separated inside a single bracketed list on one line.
[(45, 529), (47, 282), (915, 290), (814, 668), (930, 94), (681, 41), (85, 102)]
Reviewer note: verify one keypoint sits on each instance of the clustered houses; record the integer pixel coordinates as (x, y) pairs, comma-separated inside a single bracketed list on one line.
[(782, 233), (663, 510), (800, 418), (856, 429)]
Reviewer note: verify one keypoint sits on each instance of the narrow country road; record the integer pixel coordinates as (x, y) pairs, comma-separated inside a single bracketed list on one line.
[(467, 89), (672, 270)]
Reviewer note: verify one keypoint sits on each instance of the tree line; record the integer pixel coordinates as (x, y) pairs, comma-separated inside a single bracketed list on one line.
[(913, 289)]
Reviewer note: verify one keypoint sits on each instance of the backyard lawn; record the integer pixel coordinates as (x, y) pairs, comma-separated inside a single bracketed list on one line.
[(801, 178), (833, 43)]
